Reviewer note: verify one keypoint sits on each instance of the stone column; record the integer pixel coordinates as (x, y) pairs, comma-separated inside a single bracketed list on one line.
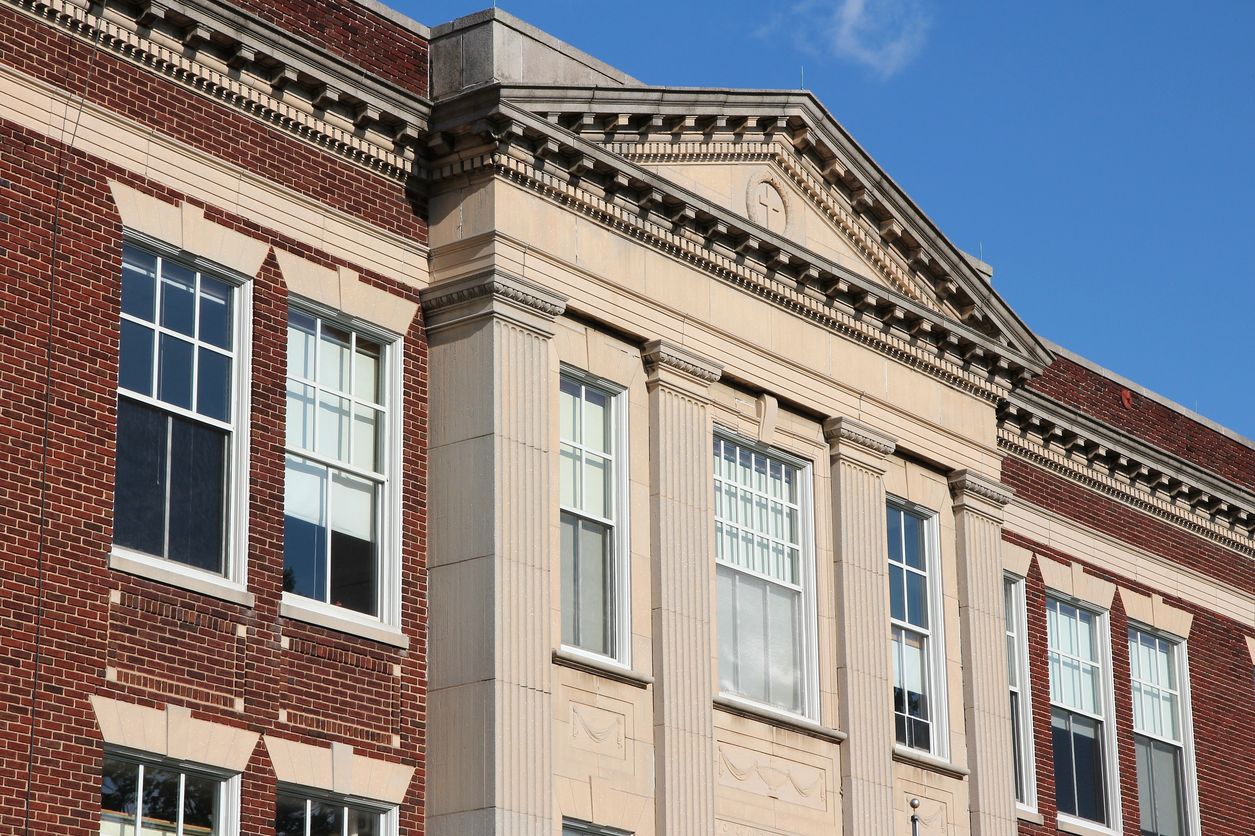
[(490, 513), (864, 668), (681, 541), (978, 513)]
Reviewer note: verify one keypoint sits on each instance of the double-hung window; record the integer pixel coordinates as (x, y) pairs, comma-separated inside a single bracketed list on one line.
[(338, 481), (1018, 681), (591, 494), (915, 629), (177, 441), (150, 797), (764, 576), (1160, 734), (1079, 710), (300, 813)]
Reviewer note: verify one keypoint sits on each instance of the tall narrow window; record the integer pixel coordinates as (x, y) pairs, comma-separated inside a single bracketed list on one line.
[(1159, 734), (1018, 681), (593, 566), (913, 627), (176, 400), (336, 480), (1078, 710), (763, 576)]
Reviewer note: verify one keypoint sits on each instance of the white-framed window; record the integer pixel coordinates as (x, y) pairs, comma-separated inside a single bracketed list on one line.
[(301, 812), (916, 634), (574, 827), (341, 503), (1021, 695), (181, 413), (765, 576), (595, 570), (1162, 736), (150, 797), (1079, 654)]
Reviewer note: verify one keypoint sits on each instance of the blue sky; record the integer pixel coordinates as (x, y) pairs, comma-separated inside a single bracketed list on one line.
[(1100, 155)]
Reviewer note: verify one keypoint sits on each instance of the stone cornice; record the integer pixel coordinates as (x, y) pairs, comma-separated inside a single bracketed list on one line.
[(511, 289), (691, 120), (965, 483), (1051, 436), (218, 51), (675, 356), (479, 132), (843, 430)]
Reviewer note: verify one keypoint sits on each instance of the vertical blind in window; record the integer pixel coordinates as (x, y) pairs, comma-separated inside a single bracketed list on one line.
[(758, 550)]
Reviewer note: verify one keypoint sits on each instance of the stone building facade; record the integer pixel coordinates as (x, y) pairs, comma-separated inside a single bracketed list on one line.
[(440, 431)]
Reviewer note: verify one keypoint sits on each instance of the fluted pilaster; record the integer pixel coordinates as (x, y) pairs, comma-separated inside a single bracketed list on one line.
[(681, 530), (490, 515), (978, 512), (864, 671)]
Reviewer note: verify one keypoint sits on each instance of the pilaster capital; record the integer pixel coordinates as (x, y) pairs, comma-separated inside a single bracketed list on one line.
[(978, 492), (679, 367), (843, 432), (494, 294)]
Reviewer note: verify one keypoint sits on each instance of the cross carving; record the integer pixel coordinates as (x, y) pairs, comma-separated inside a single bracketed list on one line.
[(772, 207)]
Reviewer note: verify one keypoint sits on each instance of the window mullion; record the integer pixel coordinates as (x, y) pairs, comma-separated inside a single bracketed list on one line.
[(178, 816), (165, 516), (139, 797)]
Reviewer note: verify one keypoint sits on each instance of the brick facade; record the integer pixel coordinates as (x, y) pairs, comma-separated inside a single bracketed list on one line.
[(72, 627)]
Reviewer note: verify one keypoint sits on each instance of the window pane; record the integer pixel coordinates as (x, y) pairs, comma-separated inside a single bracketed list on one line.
[(913, 540), (135, 358), (161, 800), (178, 289), (366, 371), (333, 427), (593, 576), (917, 599), (213, 385), (325, 819), (289, 815), (784, 647), (596, 420), (1087, 751), (568, 409), (568, 475), (366, 423), (200, 805), (139, 498), (725, 594), (215, 312), (1167, 784), (197, 485), (300, 421), (304, 528), (596, 485), (118, 785), (569, 526), (897, 592), (333, 358), (363, 823), (1017, 749), (139, 283), (353, 562), (1065, 776), (301, 345), (174, 371), (895, 534), (751, 651)]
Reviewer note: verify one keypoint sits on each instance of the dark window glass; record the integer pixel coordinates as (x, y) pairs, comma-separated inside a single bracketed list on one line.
[(289, 816), (213, 385), (135, 358), (1017, 747), (178, 294), (161, 799), (1160, 788), (352, 573), (140, 487), (174, 371), (139, 283), (897, 589), (324, 819), (917, 598), (1079, 781), (200, 803), (197, 506), (913, 540), (215, 312), (117, 787)]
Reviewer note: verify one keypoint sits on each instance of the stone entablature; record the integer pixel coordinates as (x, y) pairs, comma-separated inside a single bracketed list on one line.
[(480, 132), (1048, 434), (221, 52)]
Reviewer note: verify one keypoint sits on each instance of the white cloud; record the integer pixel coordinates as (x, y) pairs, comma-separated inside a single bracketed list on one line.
[(882, 35)]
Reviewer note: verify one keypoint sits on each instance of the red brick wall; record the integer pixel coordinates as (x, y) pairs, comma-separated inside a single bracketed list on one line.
[(1223, 695), (1101, 398), (186, 640), (365, 38), (35, 48)]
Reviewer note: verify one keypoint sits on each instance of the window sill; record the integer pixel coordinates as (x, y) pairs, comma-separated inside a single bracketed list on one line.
[(1024, 814), (294, 608), (601, 666), (777, 718), (174, 574), (1081, 827), (932, 763)]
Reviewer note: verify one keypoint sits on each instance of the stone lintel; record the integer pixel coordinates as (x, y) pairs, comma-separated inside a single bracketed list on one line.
[(852, 440), (492, 294), (973, 491), (671, 364)]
